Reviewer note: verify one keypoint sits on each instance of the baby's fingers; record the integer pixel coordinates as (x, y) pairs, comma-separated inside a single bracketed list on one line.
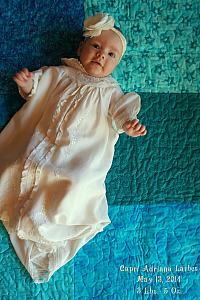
[(23, 74), (129, 124), (26, 72), (22, 77), (139, 129), (142, 130), (134, 128)]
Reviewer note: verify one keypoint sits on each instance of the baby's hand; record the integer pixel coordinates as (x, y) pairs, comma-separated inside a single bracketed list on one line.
[(134, 128), (24, 80)]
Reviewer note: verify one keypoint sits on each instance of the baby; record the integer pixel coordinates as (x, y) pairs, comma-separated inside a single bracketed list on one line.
[(57, 149)]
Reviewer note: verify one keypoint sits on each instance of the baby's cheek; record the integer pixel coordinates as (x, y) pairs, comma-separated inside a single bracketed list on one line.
[(109, 68)]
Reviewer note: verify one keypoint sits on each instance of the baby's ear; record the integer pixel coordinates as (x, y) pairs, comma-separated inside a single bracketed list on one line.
[(80, 48)]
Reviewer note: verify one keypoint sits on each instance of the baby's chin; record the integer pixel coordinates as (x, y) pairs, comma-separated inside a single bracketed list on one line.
[(95, 70), (96, 74)]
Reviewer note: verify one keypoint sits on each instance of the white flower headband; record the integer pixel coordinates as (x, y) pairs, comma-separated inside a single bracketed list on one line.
[(94, 25)]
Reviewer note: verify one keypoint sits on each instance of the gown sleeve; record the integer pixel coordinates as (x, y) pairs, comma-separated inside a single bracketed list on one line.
[(36, 78), (123, 108)]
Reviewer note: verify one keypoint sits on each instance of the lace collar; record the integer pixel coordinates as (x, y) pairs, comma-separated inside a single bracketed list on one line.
[(73, 63), (83, 76)]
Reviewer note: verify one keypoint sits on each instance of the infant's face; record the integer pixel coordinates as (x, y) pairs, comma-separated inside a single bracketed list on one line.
[(100, 55)]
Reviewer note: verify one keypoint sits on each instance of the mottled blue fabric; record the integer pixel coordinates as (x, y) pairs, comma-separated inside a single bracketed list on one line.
[(163, 37), (34, 34)]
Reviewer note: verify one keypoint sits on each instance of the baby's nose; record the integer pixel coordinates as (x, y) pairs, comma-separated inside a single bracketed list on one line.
[(101, 54)]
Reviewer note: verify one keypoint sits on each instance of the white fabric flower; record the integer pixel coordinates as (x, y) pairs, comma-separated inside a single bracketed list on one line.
[(94, 25)]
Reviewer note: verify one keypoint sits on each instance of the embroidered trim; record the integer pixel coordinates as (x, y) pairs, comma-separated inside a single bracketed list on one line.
[(79, 74)]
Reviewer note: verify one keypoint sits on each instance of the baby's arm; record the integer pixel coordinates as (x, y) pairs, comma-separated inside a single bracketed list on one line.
[(123, 110), (24, 80), (134, 128)]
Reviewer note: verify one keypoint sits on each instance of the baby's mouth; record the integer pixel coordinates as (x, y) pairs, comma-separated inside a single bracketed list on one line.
[(96, 62)]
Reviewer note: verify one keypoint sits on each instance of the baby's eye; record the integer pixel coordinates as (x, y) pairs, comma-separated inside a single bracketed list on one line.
[(111, 54), (96, 46)]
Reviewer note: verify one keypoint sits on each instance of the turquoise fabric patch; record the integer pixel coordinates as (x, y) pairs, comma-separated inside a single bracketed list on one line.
[(163, 53), (140, 255)]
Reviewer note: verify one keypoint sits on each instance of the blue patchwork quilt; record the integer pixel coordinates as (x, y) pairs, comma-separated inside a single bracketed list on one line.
[(151, 250)]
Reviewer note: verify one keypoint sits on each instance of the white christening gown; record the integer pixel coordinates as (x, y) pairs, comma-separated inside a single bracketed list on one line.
[(54, 156)]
